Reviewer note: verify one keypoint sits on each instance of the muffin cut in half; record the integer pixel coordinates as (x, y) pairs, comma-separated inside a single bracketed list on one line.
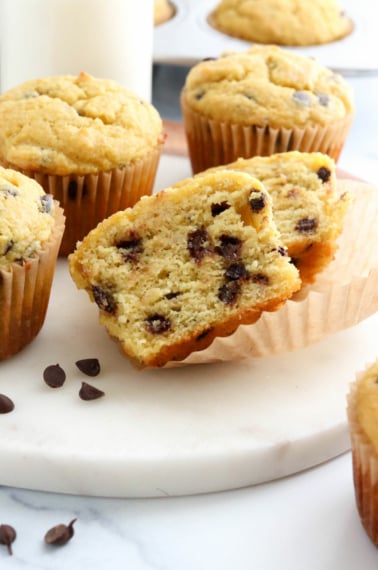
[(185, 265)]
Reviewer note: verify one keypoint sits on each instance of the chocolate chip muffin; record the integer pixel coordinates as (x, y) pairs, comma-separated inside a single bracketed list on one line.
[(31, 229), (184, 266), (363, 421), (308, 209), (263, 101), (282, 22), (90, 142)]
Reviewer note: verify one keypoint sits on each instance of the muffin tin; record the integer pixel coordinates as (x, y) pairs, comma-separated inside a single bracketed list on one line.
[(188, 38)]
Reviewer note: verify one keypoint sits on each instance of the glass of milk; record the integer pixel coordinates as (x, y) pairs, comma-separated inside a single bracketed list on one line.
[(110, 39)]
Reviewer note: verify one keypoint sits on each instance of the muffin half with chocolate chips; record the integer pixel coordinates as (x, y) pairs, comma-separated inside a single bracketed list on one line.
[(185, 266), (31, 229), (89, 142), (263, 101)]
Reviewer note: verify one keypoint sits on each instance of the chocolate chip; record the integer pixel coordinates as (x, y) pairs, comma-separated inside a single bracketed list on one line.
[(157, 324), (89, 366), (172, 295), (236, 271), (229, 247), (307, 225), (302, 98), (260, 278), (6, 404), (257, 201), (324, 174), (88, 392), (46, 203), (54, 376), (104, 299), (7, 536), (131, 248), (323, 99), (8, 246), (217, 209), (9, 190), (229, 292), (198, 96), (281, 250), (249, 97), (60, 534), (196, 244)]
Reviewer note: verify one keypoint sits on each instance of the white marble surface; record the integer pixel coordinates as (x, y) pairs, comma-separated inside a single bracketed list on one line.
[(306, 521)]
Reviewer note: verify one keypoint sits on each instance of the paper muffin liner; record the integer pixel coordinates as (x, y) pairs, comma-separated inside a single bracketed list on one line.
[(343, 295), (25, 292), (365, 469), (90, 198), (212, 143)]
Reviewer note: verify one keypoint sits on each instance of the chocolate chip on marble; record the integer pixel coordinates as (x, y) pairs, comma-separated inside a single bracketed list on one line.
[(89, 366), (218, 208), (157, 324), (302, 98), (131, 248), (104, 299), (7, 536), (6, 404), (257, 201), (54, 376), (306, 225), (196, 244), (60, 534), (228, 292), (46, 203), (229, 247), (324, 174), (88, 392), (236, 271)]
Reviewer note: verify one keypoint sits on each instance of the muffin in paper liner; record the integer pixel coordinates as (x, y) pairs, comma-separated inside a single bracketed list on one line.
[(343, 295), (89, 198), (364, 462), (212, 143), (25, 292)]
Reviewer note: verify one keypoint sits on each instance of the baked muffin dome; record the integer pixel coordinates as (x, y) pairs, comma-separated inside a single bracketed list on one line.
[(282, 22), (163, 11), (80, 124)]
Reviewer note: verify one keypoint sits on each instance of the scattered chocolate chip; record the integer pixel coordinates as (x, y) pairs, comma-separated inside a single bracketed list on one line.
[(7, 536), (249, 97), (54, 376), (157, 324), (196, 244), (306, 225), (324, 174), (88, 392), (9, 190), (281, 250), (104, 299), (236, 271), (229, 247), (217, 209), (8, 246), (302, 98), (228, 292), (89, 366), (257, 201), (323, 99), (198, 96), (203, 334), (6, 404), (46, 203), (131, 248), (260, 278), (172, 295), (60, 534)]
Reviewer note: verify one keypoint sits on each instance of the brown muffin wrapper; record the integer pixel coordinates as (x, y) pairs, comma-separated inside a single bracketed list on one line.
[(90, 198), (212, 143), (343, 295), (25, 292), (365, 470)]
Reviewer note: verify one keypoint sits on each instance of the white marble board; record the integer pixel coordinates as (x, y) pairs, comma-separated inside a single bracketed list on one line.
[(175, 431)]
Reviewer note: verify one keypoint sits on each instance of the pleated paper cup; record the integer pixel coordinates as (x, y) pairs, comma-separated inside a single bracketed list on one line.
[(365, 469), (25, 292), (212, 143), (343, 295), (90, 198)]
